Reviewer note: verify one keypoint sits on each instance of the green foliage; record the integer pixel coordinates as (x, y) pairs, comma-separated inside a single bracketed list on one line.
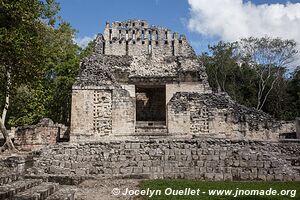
[(292, 107), (222, 65), (22, 44), (62, 68), (27, 106), (22, 41), (55, 86), (226, 75), (42, 57), (88, 50), (232, 70), (268, 57), (266, 51)]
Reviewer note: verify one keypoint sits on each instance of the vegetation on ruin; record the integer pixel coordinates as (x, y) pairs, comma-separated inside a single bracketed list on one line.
[(206, 186)]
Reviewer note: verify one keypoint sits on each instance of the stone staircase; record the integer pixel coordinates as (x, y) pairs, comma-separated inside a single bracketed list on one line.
[(14, 186), (151, 128)]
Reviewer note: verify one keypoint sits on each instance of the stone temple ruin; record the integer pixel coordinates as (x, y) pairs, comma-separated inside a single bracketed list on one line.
[(145, 80), (142, 108)]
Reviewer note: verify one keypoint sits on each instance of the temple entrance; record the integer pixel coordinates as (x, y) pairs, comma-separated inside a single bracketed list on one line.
[(151, 105)]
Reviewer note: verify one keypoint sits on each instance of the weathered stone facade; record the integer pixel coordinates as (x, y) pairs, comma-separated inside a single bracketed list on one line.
[(28, 138), (217, 115), (204, 159), (146, 80)]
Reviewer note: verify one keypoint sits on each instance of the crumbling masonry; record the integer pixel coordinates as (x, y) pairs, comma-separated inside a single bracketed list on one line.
[(142, 107), (145, 80)]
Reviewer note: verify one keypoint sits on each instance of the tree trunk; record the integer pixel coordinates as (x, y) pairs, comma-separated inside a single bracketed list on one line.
[(217, 82), (8, 143), (7, 97), (261, 98), (266, 96)]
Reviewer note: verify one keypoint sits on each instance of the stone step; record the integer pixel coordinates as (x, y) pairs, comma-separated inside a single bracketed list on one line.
[(61, 179), (7, 191), (151, 130), (63, 194), (151, 133), (40, 192), (150, 124), (8, 178)]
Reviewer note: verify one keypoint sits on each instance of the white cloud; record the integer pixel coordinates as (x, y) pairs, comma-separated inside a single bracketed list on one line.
[(234, 19), (83, 41)]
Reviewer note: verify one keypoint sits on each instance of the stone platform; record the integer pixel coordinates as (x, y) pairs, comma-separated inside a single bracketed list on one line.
[(199, 158)]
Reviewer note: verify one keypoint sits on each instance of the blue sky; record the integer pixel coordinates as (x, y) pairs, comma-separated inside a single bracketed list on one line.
[(89, 16)]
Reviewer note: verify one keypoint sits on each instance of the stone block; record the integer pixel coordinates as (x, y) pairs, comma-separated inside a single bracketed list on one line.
[(218, 177), (107, 158), (209, 176), (227, 177)]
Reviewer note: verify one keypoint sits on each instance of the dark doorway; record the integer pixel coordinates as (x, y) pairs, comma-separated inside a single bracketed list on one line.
[(150, 103)]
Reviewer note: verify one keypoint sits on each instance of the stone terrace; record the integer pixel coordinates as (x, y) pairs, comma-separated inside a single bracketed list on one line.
[(203, 159)]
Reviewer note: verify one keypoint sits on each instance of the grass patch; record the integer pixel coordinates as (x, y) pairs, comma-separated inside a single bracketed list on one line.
[(162, 185)]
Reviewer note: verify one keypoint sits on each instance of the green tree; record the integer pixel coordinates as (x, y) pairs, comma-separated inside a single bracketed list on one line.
[(221, 64), (225, 74), (55, 86), (63, 66), (284, 100), (87, 51), (293, 90), (234, 69), (23, 24), (28, 105), (268, 57)]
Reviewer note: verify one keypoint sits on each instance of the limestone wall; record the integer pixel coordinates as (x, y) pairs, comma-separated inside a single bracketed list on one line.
[(28, 138), (136, 37), (91, 114), (98, 112), (216, 115), (112, 112), (171, 89), (123, 112), (115, 48), (136, 47), (209, 159), (162, 48)]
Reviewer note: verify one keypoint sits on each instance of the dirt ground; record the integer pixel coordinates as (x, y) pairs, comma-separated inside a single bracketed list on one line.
[(107, 189)]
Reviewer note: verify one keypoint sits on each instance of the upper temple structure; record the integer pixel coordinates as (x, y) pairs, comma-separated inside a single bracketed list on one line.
[(146, 81)]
